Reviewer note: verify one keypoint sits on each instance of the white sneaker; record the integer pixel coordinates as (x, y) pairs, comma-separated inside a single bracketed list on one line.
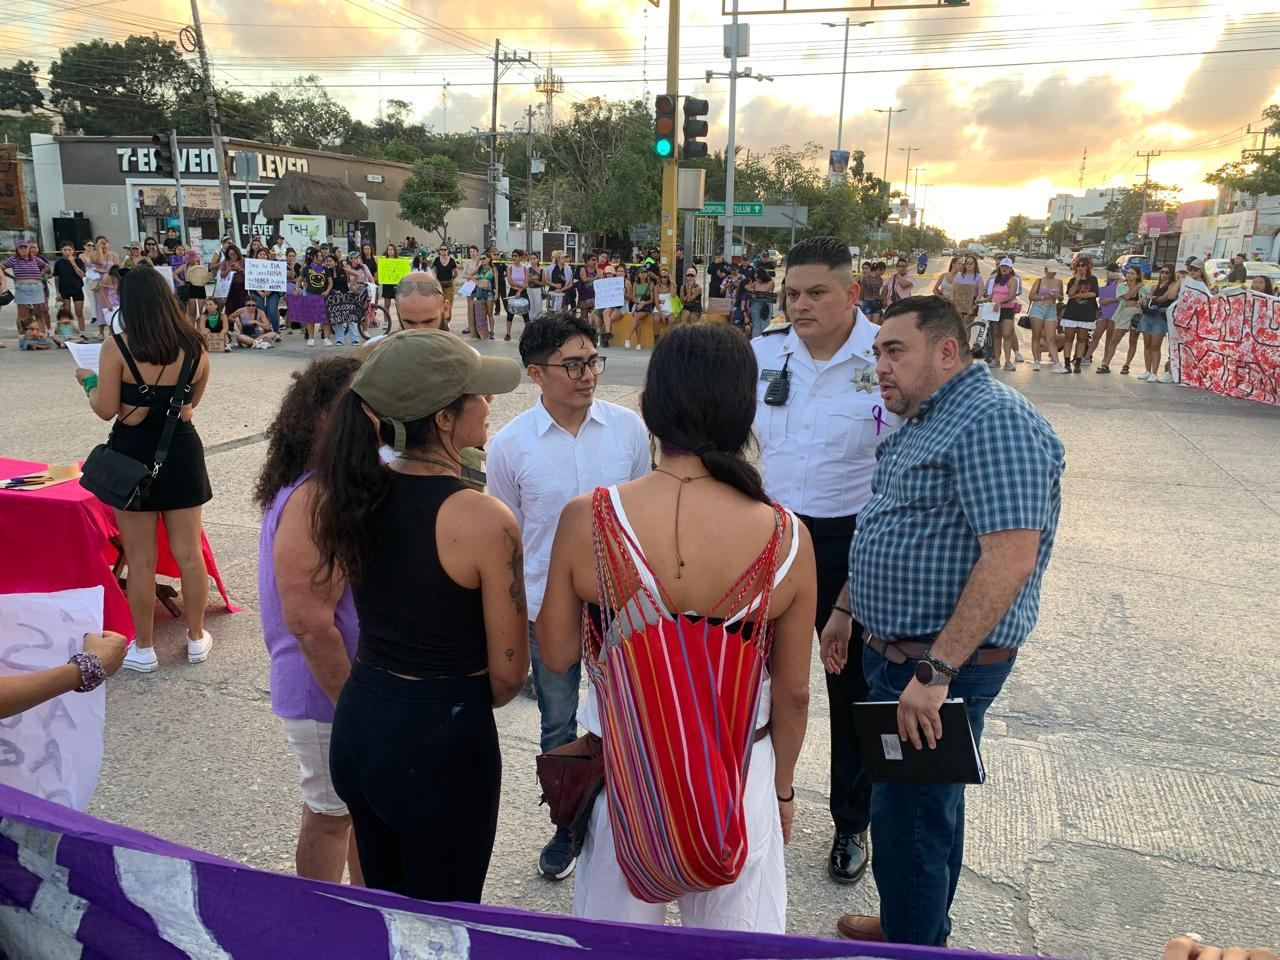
[(1008, 365), (141, 659), (1036, 366), (262, 345), (1059, 368), (1148, 377), (198, 650), (327, 342), (626, 344), (311, 341), (638, 347), (1165, 377), (1018, 356), (226, 348)]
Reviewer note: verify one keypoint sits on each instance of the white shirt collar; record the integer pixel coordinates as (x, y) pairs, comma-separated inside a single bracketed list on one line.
[(858, 344), (544, 420)]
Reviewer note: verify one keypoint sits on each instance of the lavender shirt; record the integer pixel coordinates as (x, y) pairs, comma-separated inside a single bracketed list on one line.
[(295, 695)]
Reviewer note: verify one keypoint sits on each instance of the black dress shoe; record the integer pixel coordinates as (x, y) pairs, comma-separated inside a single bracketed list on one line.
[(848, 860)]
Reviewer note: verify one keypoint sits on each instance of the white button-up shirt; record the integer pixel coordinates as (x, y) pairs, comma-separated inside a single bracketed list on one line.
[(818, 451), (536, 467)]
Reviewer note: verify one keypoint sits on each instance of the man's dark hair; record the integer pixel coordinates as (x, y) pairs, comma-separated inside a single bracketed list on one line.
[(830, 252), (542, 338), (935, 316)]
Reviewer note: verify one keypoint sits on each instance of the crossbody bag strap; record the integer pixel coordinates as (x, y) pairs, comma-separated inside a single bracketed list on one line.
[(174, 414)]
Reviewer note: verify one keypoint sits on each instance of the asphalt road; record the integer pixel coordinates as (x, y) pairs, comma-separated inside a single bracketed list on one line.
[(1133, 757)]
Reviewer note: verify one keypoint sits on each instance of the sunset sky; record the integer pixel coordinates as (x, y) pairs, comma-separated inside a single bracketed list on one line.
[(1002, 97)]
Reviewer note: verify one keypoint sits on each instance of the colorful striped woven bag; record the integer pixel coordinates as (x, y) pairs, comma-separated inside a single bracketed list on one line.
[(678, 698)]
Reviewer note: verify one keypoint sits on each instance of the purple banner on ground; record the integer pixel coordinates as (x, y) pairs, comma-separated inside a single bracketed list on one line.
[(73, 886)]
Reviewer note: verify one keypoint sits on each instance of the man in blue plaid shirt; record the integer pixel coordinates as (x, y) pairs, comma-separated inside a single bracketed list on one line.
[(945, 571)]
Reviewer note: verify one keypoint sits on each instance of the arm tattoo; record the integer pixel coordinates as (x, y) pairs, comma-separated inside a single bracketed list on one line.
[(510, 654), (516, 566)]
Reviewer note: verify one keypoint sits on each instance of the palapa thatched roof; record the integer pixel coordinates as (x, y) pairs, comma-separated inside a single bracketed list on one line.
[(313, 194)]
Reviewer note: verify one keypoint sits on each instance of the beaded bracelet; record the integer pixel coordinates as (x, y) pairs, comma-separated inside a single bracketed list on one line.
[(90, 382)]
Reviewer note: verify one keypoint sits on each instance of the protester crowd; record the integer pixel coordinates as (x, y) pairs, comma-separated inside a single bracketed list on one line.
[(904, 510)]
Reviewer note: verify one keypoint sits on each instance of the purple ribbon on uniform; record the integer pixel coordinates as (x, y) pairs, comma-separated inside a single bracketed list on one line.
[(878, 415)]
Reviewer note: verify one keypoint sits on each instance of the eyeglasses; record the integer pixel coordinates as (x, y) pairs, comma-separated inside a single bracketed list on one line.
[(577, 369), (427, 288), (690, 274)]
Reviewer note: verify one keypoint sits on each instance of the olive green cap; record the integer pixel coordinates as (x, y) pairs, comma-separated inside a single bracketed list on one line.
[(417, 372)]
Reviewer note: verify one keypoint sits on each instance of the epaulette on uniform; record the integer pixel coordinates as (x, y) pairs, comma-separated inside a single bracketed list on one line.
[(774, 328)]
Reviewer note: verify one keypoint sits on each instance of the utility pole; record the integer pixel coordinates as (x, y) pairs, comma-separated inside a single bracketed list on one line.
[(1146, 178), (444, 108), (499, 60), (177, 178), (215, 129), (528, 189), (887, 130), (671, 165), (729, 143), (730, 149), (906, 176)]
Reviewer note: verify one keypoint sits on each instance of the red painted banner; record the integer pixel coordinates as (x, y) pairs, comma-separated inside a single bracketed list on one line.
[(1227, 343)]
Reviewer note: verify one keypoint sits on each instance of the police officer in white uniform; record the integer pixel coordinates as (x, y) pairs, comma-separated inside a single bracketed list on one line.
[(819, 418)]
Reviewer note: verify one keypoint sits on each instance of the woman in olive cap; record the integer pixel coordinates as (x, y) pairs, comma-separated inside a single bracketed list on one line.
[(437, 574)]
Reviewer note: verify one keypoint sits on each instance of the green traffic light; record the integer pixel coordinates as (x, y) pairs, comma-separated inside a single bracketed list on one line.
[(662, 148)]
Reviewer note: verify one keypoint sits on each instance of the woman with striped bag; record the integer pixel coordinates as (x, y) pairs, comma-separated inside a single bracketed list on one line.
[(700, 665)]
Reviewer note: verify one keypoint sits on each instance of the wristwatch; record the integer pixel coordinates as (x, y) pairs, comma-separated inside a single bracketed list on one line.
[(932, 672), (91, 673)]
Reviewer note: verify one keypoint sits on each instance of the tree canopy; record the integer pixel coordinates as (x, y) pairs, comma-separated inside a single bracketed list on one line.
[(1260, 175), (430, 193)]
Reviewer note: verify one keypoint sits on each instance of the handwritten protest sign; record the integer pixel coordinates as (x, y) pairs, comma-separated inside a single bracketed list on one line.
[(53, 750), (1227, 343), (222, 288), (301, 230), (609, 292), (167, 273), (269, 275), (344, 308), (393, 269)]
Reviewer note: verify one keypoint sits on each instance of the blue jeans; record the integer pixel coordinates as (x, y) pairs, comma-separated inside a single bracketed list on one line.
[(917, 832), (761, 314), (270, 305), (557, 699)]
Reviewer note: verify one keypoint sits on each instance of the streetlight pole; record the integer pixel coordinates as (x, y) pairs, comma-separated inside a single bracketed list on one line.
[(906, 176), (887, 130), (844, 70)]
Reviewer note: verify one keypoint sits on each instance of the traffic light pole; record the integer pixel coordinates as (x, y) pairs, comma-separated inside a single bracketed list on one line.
[(729, 144), (215, 129), (177, 178), (671, 164)]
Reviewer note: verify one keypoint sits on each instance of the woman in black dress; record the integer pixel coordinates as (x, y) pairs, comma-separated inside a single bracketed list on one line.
[(137, 379)]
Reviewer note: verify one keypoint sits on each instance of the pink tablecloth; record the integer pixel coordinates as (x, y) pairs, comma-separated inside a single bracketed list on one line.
[(58, 538)]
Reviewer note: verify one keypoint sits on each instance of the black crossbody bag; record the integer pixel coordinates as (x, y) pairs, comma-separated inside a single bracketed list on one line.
[(116, 479)]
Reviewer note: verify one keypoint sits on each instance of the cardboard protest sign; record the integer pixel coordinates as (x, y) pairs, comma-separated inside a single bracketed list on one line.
[(1227, 343), (222, 288), (302, 230), (269, 275), (609, 292), (53, 750), (393, 269)]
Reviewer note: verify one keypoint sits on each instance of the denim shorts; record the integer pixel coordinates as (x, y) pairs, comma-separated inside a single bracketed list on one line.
[(1157, 326), (1043, 310), (869, 305)]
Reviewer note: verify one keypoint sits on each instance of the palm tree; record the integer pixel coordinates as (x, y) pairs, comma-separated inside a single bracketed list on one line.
[(1018, 231)]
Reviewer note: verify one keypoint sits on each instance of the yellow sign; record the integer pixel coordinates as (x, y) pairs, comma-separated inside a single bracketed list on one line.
[(13, 198), (393, 269)]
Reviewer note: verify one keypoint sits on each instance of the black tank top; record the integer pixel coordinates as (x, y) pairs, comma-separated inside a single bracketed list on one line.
[(156, 398), (414, 619)]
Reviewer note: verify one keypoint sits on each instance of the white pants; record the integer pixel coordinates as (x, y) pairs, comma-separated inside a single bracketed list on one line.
[(755, 902), (535, 303)]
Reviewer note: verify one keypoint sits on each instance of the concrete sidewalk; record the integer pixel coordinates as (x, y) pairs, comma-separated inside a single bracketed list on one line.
[(1133, 758)]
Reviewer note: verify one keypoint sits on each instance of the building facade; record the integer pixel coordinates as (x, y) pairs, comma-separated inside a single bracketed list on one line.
[(113, 183), (1068, 206)]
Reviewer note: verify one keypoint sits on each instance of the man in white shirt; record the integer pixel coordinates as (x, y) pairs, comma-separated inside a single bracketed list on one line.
[(566, 445), (279, 249), (819, 418)]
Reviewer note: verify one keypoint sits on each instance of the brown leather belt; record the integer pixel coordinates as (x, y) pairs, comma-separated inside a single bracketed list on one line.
[(902, 651), (762, 732)]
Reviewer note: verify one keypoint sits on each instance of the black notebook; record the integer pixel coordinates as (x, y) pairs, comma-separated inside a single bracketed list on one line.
[(954, 760)]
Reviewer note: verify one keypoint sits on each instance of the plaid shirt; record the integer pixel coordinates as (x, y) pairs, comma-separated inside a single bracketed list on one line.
[(977, 459)]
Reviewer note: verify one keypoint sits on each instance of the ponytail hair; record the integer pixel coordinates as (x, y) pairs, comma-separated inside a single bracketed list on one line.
[(700, 398), (351, 484)]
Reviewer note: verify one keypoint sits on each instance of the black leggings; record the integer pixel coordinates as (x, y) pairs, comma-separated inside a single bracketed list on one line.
[(417, 764)]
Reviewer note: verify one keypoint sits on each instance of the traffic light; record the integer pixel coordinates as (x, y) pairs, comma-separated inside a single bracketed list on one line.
[(695, 128), (664, 126), (164, 154)]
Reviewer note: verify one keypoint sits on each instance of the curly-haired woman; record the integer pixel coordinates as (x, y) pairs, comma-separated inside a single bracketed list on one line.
[(309, 624)]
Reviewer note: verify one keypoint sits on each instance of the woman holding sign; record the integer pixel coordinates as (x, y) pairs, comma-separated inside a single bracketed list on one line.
[(268, 301), (389, 289), (231, 275)]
